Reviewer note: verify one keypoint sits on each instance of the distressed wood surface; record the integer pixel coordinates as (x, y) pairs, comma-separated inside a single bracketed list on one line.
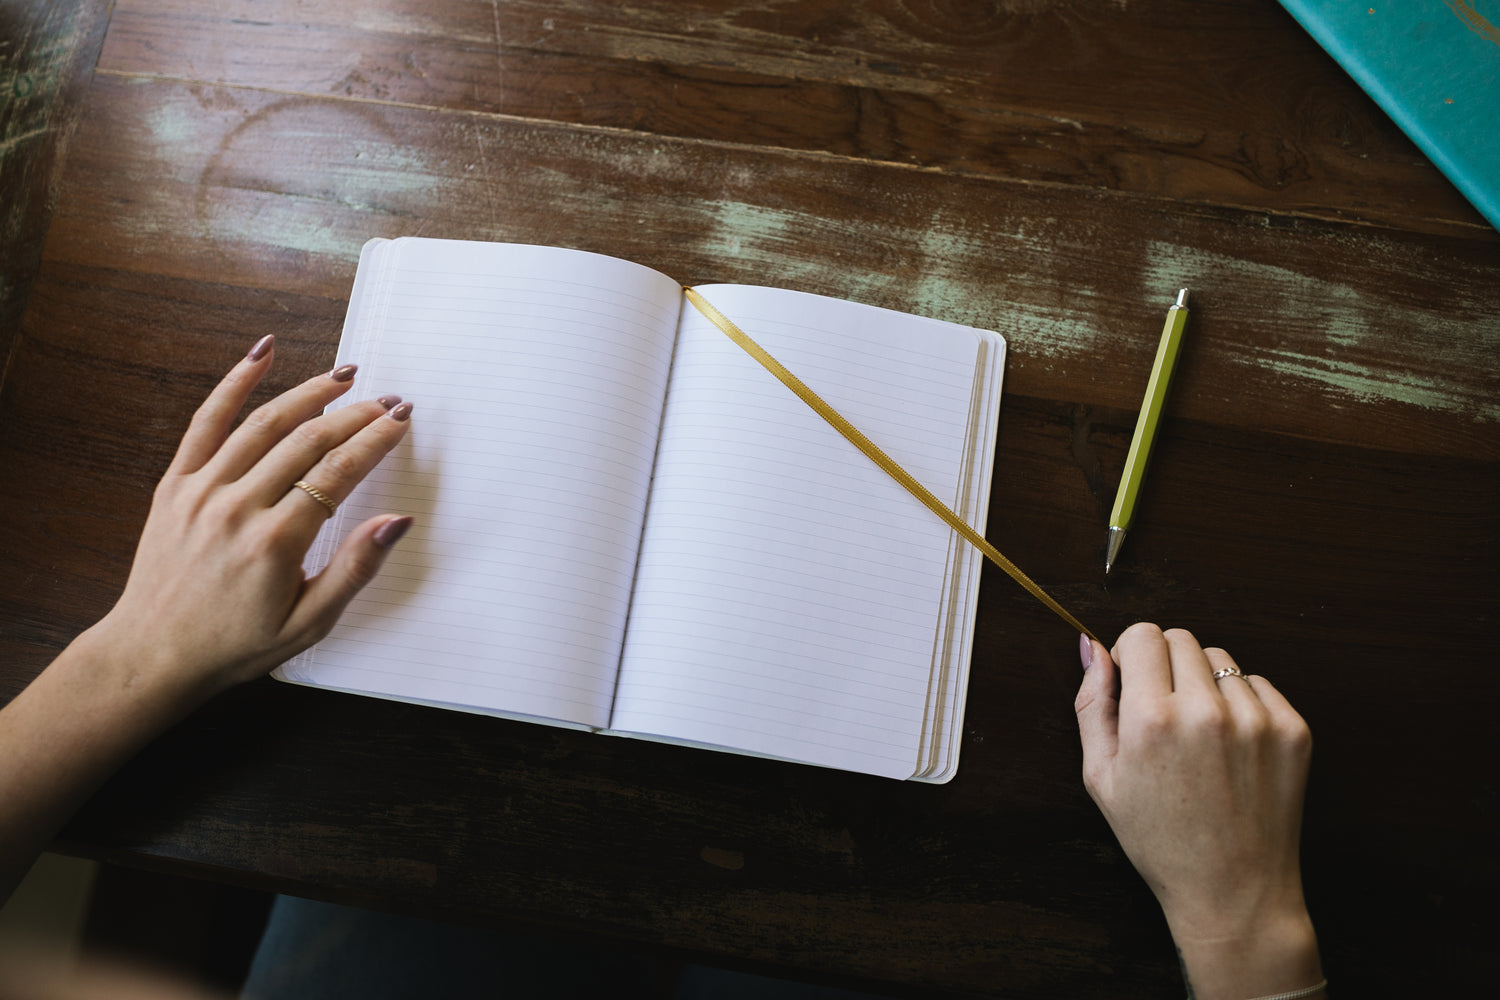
[(1322, 501), (1221, 103), (47, 52)]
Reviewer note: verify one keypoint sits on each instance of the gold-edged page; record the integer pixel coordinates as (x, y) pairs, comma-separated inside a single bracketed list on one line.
[(788, 590), (940, 688), (538, 375), (961, 607)]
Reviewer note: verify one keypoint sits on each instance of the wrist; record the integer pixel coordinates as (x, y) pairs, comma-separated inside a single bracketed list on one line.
[(88, 712), (1276, 954), (127, 675)]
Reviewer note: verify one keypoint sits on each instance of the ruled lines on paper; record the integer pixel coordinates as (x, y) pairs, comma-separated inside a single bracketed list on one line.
[(789, 591), (538, 376)]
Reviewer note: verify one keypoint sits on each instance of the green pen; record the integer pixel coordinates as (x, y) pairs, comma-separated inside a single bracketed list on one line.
[(1145, 427)]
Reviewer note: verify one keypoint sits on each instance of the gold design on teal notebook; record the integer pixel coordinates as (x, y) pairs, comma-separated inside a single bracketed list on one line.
[(1475, 21)]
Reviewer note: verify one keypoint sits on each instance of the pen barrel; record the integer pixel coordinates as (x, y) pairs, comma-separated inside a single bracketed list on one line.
[(1150, 415)]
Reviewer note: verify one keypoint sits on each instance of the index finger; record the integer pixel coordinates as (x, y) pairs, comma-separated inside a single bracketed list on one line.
[(211, 422), (1145, 663), (267, 425)]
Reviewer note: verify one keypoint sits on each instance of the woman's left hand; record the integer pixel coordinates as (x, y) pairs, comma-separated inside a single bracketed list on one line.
[(217, 594)]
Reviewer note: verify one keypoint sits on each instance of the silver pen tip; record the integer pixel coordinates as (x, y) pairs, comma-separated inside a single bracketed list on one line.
[(1116, 539), (1181, 302)]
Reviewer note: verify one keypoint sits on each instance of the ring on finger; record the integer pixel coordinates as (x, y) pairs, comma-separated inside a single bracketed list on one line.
[(317, 494), (1230, 671)]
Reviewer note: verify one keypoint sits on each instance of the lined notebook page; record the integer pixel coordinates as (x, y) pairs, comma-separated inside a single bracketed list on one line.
[(789, 592), (538, 376)]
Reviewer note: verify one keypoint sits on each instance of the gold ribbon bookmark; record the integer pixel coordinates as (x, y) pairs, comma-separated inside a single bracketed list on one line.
[(877, 456)]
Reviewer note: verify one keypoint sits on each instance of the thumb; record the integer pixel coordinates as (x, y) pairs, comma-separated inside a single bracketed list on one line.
[(354, 564), (1098, 710)]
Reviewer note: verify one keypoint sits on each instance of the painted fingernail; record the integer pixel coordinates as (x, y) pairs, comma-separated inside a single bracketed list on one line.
[(262, 346), (343, 373), (390, 532), (388, 401), (401, 412), (1085, 651)]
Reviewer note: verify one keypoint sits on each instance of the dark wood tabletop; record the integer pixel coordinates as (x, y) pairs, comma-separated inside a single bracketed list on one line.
[(1322, 502)]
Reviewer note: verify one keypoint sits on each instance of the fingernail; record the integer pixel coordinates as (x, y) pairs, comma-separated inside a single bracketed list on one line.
[(1085, 651), (401, 412), (390, 532), (388, 401), (261, 347), (343, 373)]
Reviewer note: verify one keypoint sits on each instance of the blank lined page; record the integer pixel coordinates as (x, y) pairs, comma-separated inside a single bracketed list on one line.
[(789, 591), (538, 376)]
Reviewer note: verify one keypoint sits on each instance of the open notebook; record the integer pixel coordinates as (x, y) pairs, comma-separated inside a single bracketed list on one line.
[(624, 523)]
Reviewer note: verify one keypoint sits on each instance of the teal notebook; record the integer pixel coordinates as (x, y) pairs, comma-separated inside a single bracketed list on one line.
[(1434, 67)]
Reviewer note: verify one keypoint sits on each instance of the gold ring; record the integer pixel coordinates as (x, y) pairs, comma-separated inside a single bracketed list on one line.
[(1219, 675), (318, 495)]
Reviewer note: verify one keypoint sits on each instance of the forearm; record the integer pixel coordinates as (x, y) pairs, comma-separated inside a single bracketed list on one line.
[(1277, 956), (216, 595), (92, 709)]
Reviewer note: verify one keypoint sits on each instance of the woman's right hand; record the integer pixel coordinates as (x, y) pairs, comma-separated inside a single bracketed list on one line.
[(1202, 781)]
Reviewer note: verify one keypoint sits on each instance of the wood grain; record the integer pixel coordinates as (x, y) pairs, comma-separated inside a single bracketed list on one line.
[(1322, 501), (1294, 327), (1224, 103), (47, 52)]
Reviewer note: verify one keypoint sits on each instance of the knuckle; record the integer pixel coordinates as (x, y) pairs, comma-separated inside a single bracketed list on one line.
[(362, 569), (1180, 635), (223, 507), (339, 465), (263, 420), (1296, 736), (1257, 728), (313, 435), (284, 537), (206, 415), (383, 434), (1138, 637), (1211, 722), (1154, 724), (230, 386), (166, 488)]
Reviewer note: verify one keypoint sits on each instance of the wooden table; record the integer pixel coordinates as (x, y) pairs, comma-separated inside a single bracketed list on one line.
[(1323, 502)]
